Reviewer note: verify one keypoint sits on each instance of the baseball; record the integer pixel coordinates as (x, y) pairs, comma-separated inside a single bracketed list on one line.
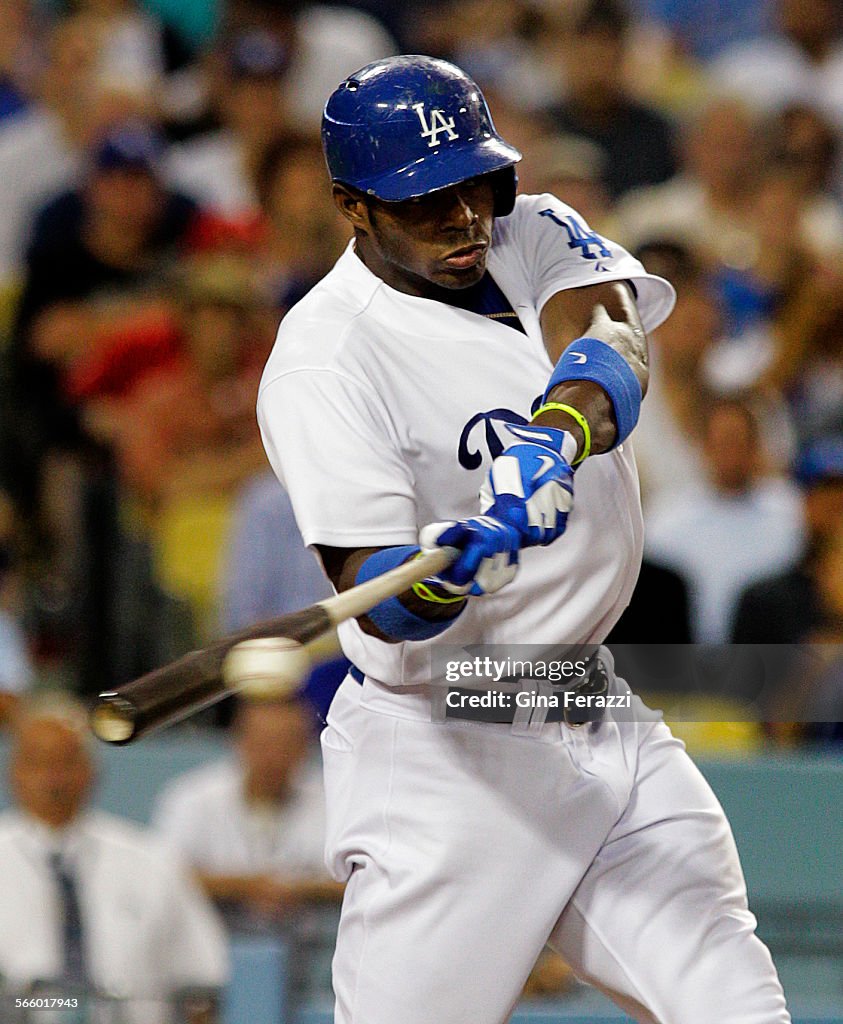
[(266, 668)]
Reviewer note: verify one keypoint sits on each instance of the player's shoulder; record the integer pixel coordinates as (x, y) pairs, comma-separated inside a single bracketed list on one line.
[(539, 221), (532, 209), (315, 329), (560, 250), (330, 331)]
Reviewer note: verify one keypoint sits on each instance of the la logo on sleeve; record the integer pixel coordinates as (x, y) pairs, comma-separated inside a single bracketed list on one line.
[(437, 125)]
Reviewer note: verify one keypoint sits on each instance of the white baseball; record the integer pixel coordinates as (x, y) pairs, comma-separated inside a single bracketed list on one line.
[(267, 668)]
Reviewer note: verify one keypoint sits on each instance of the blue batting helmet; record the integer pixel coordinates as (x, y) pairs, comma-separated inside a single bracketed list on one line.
[(406, 126)]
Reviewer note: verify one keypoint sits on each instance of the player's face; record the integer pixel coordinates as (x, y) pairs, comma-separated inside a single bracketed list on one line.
[(441, 240)]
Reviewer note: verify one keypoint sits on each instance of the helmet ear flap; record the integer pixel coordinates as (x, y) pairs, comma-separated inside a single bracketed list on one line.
[(505, 184)]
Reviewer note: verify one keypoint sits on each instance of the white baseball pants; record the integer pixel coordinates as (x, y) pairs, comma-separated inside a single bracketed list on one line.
[(468, 847)]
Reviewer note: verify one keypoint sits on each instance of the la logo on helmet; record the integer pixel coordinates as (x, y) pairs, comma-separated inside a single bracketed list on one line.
[(438, 124)]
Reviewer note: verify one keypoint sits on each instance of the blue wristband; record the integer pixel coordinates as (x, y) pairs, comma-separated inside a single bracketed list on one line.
[(391, 617), (594, 360)]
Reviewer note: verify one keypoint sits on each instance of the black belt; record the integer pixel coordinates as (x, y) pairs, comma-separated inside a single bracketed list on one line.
[(595, 683)]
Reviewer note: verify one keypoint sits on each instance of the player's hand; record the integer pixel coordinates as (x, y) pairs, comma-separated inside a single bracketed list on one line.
[(488, 558), (531, 485)]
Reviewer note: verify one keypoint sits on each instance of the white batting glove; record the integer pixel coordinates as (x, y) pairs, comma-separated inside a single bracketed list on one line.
[(531, 483), (488, 557)]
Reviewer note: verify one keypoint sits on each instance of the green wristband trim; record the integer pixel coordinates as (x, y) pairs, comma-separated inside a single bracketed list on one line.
[(575, 414), (423, 591)]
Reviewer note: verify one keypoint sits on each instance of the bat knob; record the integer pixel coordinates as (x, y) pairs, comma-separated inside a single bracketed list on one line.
[(113, 719)]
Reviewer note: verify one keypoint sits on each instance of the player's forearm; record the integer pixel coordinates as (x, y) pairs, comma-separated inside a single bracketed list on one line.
[(482, 557), (572, 313), (604, 321), (343, 566), (589, 399)]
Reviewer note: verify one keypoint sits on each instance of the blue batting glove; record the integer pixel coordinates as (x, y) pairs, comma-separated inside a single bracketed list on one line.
[(531, 484), (488, 557)]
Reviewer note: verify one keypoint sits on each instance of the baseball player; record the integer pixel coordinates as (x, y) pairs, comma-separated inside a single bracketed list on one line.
[(472, 360)]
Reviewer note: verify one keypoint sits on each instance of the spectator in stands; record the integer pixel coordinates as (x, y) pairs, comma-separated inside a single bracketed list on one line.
[(16, 670), (253, 825), (219, 169), (801, 62), (305, 235), (668, 438), (269, 572), (804, 146), (189, 428), (806, 681), (806, 359), (324, 44), (42, 149), (129, 40), (760, 293), (637, 141), (825, 702), (274, 66), (92, 903), (574, 169), (185, 438), (786, 608), (110, 235), (739, 527), (708, 204), (751, 223), (16, 57), (704, 29), (93, 249), (499, 43)]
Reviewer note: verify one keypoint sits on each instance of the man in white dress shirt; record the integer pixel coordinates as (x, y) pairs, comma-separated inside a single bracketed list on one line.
[(90, 903), (253, 825)]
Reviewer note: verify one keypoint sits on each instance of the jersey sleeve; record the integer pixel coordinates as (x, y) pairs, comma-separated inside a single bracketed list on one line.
[(332, 445), (561, 251)]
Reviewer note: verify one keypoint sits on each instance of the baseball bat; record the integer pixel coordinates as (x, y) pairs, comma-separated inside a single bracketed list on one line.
[(195, 681)]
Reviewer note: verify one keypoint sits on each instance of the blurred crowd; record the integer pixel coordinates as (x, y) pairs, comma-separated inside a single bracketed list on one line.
[(165, 202)]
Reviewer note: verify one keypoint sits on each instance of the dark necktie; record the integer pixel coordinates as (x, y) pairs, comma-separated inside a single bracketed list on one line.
[(75, 971)]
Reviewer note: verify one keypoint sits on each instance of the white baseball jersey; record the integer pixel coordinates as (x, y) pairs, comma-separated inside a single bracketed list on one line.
[(381, 412), (466, 847)]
